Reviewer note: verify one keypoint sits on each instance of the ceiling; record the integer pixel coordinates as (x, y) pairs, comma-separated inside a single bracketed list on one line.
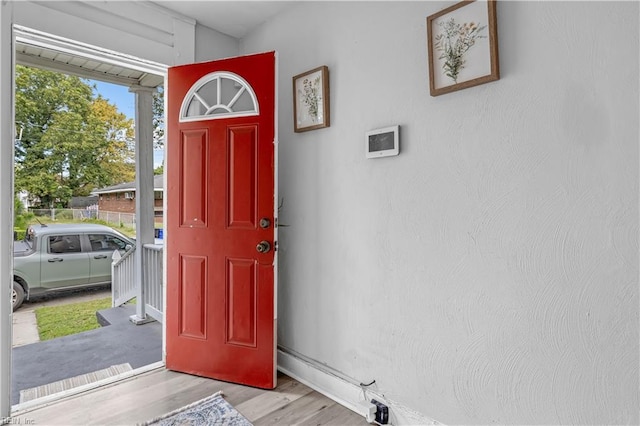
[(54, 60), (234, 18)]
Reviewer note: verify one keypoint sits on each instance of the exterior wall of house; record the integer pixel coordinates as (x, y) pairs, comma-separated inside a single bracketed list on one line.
[(489, 273), (117, 202)]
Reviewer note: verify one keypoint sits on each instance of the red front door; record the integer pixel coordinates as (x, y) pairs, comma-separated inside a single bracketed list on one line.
[(220, 236)]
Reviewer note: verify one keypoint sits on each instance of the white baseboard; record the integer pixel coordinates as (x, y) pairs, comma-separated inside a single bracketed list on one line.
[(345, 393)]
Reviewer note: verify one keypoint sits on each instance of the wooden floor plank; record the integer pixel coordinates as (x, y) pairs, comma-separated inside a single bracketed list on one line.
[(163, 399), (245, 393), (127, 402), (149, 395), (283, 395), (296, 412), (144, 404), (336, 415)]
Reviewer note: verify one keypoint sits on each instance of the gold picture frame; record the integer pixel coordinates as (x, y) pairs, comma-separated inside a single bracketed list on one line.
[(462, 41), (311, 100)]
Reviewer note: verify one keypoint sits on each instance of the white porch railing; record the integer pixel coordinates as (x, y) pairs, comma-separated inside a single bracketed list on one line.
[(153, 288), (123, 270), (123, 279)]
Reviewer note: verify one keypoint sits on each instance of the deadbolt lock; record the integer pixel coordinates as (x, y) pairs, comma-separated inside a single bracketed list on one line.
[(263, 247), (265, 223)]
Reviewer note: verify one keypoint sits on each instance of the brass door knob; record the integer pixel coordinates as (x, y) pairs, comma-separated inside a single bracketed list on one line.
[(263, 247)]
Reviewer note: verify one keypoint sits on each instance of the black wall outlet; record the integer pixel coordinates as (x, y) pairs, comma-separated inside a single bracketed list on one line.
[(382, 412)]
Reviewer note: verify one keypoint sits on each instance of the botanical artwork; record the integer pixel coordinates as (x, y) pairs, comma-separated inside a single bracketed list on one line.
[(454, 41), (462, 41), (311, 96), (311, 99)]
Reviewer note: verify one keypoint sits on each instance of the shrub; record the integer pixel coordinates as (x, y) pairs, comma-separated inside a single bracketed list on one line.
[(64, 214), (21, 217), (19, 234)]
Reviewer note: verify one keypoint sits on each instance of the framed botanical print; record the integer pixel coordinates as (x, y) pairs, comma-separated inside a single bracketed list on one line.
[(462, 41), (311, 99)]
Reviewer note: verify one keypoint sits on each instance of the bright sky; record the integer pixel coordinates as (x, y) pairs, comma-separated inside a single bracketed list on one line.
[(125, 101)]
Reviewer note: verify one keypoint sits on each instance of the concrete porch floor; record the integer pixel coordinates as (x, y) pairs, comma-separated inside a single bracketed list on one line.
[(41, 363)]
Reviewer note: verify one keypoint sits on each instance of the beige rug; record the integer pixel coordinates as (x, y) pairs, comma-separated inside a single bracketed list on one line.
[(210, 411)]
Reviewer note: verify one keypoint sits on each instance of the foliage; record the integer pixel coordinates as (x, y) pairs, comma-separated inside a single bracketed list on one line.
[(71, 141), (454, 42), (20, 216), (311, 96), (63, 320), (18, 207), (116, 159), (20, 233), (159, 170), (64, 215), (158, 119)]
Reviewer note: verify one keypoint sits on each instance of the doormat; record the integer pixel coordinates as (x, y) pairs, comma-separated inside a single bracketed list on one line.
[(212, 410), (73, 382)]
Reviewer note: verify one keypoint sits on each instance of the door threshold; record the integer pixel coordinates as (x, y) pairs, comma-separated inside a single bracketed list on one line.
[(34, 404)]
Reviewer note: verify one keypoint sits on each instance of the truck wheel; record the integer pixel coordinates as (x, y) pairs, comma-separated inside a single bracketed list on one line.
[(17, 295)]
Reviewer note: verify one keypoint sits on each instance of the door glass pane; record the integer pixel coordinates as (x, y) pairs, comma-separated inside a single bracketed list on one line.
[(218, 95)]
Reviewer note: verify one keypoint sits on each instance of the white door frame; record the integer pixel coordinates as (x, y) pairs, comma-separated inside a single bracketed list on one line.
[(8, 36), (7, 135)]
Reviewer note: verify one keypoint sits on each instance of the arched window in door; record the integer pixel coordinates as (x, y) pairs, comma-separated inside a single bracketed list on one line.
[(219, 95)]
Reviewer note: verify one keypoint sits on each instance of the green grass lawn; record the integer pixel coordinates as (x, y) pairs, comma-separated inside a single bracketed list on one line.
[(63, 320)]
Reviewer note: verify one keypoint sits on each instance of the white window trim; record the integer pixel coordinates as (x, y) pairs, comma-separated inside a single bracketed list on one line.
[(218, 75)]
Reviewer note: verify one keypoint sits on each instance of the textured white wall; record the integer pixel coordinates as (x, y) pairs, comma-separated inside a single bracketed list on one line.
[(490, 272), (211, 45)]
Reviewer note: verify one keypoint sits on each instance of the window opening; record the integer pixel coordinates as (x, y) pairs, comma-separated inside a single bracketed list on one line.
[(101, 242), (219, 95), (64, 244)]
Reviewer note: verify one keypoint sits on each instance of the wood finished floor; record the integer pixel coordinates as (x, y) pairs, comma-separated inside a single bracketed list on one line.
[(160, 391)]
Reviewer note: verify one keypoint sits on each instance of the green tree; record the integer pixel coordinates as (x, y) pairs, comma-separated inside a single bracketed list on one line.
[(71, 141), (158, 125), (158, 118), (117, 156), (43, 98)]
